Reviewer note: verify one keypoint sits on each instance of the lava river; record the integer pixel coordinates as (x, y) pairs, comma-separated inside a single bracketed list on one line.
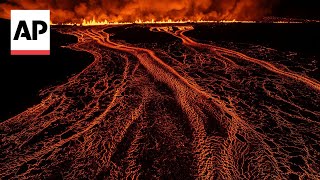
[(178, 110)]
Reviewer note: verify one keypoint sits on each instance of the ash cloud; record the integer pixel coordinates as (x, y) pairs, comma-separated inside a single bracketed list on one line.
[(131, 10)]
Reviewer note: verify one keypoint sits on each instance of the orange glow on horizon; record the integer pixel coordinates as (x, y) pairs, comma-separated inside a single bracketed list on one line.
[(93, 22)]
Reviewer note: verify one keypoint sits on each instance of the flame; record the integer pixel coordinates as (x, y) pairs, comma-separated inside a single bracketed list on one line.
[(287, 22), (94, 22)]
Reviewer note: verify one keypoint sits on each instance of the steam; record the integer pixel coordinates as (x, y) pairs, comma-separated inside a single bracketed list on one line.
[(131, 10)]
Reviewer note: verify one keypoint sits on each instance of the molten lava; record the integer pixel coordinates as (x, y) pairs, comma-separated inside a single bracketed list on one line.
[(93, 22), (179, 109)]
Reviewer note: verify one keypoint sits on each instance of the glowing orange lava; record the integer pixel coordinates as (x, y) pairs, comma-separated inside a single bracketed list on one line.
[(172, 108), (93, 22)]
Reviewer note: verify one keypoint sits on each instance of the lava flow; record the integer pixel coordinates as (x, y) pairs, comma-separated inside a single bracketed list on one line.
[(93, 22), (178, 109)]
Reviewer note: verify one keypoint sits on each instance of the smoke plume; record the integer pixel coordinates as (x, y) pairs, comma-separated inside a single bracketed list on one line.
[(131, 10)]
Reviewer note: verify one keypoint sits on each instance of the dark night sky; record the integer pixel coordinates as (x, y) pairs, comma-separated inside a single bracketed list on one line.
[(298, 8)]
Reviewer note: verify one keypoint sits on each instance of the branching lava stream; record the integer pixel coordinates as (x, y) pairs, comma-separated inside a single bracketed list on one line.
[(187, 110)]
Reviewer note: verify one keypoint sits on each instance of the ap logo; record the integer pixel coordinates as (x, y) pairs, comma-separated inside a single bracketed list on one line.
[(30, 32)]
